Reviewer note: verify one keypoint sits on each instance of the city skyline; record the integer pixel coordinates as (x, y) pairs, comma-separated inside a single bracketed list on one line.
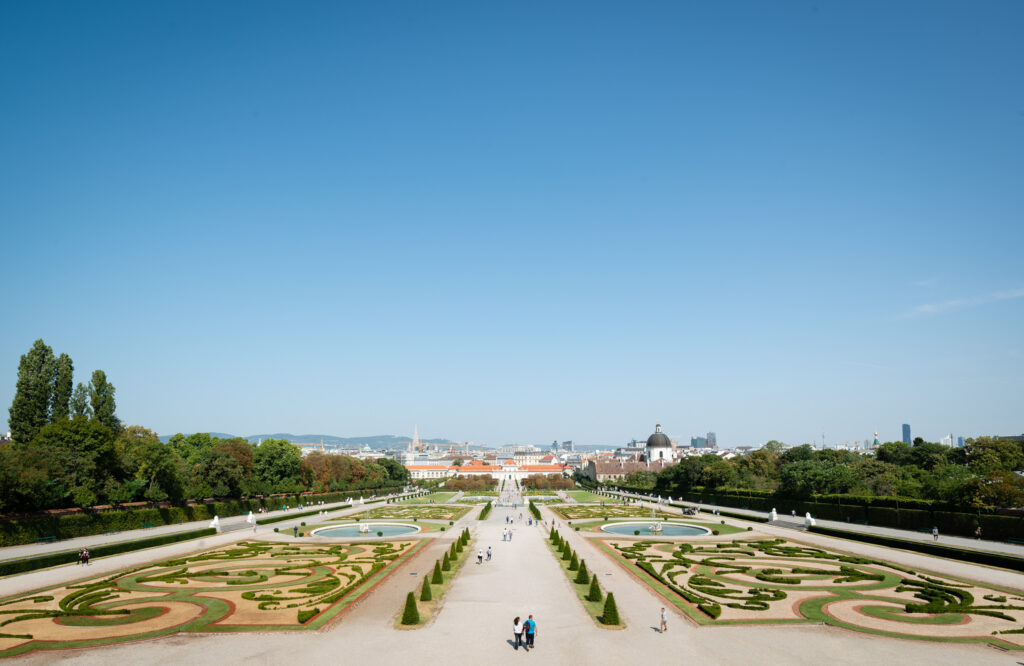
[(503, 223)]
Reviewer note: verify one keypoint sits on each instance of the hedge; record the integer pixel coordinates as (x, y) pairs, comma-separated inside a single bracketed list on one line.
[(68, 556), (18, 531), (929, 548)]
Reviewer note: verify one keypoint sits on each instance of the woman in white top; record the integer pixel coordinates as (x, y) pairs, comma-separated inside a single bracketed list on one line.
[(517, 632)]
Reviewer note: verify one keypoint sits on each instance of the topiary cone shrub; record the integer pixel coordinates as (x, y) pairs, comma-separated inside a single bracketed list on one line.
[(438, 577), (574, 563), (411, 614), (425, 594), (582, 578), (595, 591), (611, 611), (446, 564), (566, 552)]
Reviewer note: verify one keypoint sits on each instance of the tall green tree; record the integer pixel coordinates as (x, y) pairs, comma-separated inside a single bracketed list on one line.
[(80, 408), (101, 399), (63, 383), (30, 410)]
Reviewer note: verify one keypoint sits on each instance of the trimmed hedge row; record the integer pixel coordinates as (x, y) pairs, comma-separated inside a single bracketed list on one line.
[(29, 530), (929, 548), (68, 556)]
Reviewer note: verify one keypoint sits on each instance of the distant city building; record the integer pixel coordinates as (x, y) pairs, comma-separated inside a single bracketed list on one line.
[(699, 442), (568, 446), (948, 440), (659, 446), (960, 442), (712, 440), (906, 434)]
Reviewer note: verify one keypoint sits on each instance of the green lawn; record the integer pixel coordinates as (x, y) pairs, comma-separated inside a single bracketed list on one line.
[(438, 498), (585, 496)]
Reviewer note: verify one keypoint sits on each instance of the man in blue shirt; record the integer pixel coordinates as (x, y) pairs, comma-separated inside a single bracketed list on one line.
[(530, 629)]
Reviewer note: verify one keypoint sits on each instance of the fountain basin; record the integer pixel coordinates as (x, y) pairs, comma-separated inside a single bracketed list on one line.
[(667, 529), (350, 531)]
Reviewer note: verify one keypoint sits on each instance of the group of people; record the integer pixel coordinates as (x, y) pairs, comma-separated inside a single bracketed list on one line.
[(524, 633), (83, 556), (480, 555)]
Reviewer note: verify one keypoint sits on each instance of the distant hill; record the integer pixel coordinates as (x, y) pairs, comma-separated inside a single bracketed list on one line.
[(373, 441)]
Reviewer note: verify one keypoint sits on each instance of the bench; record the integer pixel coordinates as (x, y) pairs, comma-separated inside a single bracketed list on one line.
[(147, 526), (111, 531), (46, 539)]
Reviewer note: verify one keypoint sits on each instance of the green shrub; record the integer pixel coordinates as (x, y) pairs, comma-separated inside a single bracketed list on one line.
[(446, 564), (438, 577), (582, 578), (574, 564), (425, 594), (611, 611), (380, 534), (307, 615), (595, 591), (411, 614), (715, 532)]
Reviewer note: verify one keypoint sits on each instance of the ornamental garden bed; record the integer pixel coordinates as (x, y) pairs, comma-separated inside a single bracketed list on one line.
[(248, 586), (765, 581)]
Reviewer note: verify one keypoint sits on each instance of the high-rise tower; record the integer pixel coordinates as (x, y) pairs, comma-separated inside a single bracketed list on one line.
[(906, 434)]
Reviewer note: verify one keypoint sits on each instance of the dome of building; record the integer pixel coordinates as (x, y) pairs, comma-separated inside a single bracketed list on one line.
[(658, 439)]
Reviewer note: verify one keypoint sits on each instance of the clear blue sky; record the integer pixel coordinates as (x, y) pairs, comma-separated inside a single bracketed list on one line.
[(511, 222)]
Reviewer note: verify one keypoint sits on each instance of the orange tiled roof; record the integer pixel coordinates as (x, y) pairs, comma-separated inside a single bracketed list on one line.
[(477, 468), (425, 467), (541, 468)]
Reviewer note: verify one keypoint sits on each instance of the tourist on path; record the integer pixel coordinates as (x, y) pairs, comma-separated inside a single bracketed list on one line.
[(664, 620), (479, 557), (85, 555), (977, 533), (488, 553), (517, 632), (530, 630), (935, 533)]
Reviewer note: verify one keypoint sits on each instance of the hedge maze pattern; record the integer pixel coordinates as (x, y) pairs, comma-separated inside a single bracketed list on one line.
[(775, 580), (581, 512), (247, 586), (408, 512)]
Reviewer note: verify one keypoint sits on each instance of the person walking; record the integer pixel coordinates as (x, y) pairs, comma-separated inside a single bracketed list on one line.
[(517, 632), (479, 557), (488, 553), (935, 533), (530, 631), (85, 555), (664, 620), (977, 533)]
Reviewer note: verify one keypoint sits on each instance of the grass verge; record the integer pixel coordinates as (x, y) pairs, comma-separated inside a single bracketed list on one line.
[(427, 609), (593, 608)]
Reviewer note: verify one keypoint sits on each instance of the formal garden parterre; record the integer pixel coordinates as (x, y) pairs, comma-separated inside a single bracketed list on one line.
[(248, 586), (764, 581), (408, 512), (586, 512)]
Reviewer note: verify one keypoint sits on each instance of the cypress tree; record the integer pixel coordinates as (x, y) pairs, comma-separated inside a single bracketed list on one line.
[(80, 402), (574, 563), (611, 611), (411, 614), (30, 409), (425, 594), (63, 384), (595, 591), (438, 576), (583, 577), (446, 564), (101, 398)]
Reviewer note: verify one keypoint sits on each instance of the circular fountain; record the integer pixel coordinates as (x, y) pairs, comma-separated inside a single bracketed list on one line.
[(654, 529), (365, 530)]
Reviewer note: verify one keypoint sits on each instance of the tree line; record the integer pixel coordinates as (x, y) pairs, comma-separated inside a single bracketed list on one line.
[(69, 448), (982, 473)]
